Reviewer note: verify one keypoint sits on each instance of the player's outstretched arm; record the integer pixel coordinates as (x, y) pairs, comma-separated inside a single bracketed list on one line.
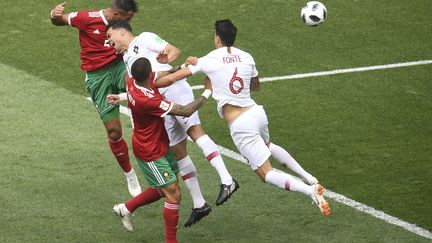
[(114, 99), (57, 15), (255, 84), (169, 77), (189, 109), (168, 55)]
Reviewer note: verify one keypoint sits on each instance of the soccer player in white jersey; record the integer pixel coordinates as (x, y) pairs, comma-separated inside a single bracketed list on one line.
[(160, 53), (233, 75)]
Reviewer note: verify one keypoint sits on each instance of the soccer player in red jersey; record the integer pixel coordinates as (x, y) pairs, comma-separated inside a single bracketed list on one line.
[(150, 144), (105, 71)]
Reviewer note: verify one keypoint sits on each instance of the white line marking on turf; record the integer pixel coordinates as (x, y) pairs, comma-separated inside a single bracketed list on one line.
[(338, 71), (333, 195), (349, 202)]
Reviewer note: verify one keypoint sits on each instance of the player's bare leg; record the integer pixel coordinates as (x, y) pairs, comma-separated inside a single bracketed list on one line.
[(284, 158), (289, 183), (120, 150), (189, 175), (210, 150)]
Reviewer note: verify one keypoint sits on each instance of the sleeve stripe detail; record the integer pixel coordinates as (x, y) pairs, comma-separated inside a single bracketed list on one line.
[(168, 111)]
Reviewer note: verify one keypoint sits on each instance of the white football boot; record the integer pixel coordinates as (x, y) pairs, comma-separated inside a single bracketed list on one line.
[(125, 215)]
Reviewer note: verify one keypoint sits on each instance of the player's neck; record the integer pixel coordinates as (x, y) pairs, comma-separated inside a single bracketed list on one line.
[(144, 84), (129, 39)]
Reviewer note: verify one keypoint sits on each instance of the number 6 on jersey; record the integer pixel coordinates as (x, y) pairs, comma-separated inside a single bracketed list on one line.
[(235, 89)]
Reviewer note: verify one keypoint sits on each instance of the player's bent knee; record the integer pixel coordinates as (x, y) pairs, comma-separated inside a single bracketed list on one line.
[(114, 134), (113, 129), (172, 193), (262, 171), (196, 132)]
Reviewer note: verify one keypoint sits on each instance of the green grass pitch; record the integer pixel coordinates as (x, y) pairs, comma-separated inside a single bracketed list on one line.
[(364, 135)]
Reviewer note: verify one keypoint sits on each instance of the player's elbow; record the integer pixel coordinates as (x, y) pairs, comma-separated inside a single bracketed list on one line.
[(176, 54)]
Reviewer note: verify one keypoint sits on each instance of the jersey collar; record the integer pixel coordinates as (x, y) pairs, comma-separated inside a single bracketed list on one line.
[(103, 17), (144, 89)]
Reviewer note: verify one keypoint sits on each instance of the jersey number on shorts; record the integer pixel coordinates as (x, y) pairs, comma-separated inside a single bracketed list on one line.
[(239, 80)]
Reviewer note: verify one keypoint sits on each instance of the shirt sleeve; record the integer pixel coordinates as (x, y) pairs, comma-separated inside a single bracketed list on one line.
[(254, 72), (78, 19), (153, 42), (158, 107), (204, 64)]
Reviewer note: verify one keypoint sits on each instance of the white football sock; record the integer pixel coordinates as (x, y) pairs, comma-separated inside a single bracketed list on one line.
[(210, 150), (189, 175), (287, 182), (285, 159)]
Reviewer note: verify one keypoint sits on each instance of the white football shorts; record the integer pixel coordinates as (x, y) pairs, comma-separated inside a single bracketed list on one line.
[(176, 126), (250, 134)]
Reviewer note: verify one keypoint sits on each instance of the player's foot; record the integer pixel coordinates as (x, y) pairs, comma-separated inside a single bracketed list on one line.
[(226, 191), (125, 215), (197, 214), (133, 184), (311, 180), (323, 205)]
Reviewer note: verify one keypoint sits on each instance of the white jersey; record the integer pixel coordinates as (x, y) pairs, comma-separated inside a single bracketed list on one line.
[(146, 45), (230, 75)]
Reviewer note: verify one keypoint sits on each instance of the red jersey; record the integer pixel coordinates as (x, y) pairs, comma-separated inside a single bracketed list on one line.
[(96, 52), (149, 139)]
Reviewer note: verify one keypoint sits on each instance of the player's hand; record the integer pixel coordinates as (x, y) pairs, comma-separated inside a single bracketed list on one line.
[(113, 99), (162, 57), (207, 83), (58, 11), (191, 61)]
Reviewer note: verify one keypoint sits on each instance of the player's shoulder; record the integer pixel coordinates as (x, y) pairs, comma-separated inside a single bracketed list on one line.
[(215, 53), (148, 36), (244, 54), (89, 13), (240, 51)]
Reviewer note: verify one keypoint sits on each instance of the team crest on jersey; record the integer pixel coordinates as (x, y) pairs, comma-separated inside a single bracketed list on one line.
[(94, 14), (135, 49), (165, 174)]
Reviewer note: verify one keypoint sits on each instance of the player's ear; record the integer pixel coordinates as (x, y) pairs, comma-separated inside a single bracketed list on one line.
[(116, 15), (217, 39), (129, 15)]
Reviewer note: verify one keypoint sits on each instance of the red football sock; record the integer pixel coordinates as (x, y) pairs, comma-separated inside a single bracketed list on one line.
[(171, 216), (120, 150), (146, 197)]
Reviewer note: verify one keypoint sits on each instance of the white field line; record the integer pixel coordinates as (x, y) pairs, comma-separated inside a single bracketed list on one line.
[(338, 71), (351, 203), (333, 195)]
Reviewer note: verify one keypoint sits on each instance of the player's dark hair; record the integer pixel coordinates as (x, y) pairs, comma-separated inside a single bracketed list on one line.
[(226, 31), (141, 69), (119, 24), (125, 5)]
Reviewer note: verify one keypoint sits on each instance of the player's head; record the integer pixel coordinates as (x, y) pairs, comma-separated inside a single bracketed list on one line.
[(119, 35), (124, 9), (225, 32), (141, 69)]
